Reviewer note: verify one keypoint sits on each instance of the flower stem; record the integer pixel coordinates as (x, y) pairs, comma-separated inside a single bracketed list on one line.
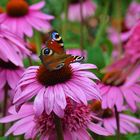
[(81, 27), (118, 18), (58, 126), (30, 61), (38, 42), (5, 106), (117, 122), (65, 21)]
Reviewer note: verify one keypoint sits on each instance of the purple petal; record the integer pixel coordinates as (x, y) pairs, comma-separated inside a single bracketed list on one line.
[(37, 6), (60, 96), (78, 92), (98, 129), (49, 99), (18, 124), (39, 102)]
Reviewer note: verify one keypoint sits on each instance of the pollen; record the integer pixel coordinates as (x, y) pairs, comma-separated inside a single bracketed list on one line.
[(7, 65), (17, 8), (49, 78)]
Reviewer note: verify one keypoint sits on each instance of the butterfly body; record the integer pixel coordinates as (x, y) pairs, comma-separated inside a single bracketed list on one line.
[(53, 56)]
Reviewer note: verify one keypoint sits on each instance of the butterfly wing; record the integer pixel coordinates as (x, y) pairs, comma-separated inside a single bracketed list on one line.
[(54, 56), (73, 59)]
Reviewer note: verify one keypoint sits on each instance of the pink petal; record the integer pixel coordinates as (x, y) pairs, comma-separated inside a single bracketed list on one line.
[(128, 94), (98, 129), (18, 124), (37, 6), (108, 126), (49, 99), (104, 102), (60, 98), (119, 101), (58, 110), (111, 96), (39, 102), (130, 118), (40, 15), (70, 93), (85, 67), (78, 92)]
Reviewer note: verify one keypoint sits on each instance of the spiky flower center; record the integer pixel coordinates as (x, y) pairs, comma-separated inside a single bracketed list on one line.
[(76, 1), (7, 65), (44, 123), (17, 8), (49, 78), (114, 78), (76, 117)]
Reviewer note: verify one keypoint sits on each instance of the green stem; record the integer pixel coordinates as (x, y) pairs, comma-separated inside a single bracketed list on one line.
[(81, 27), (117, 122), (65, 21), (58, 126), (30, 61), (37, 38), (104, 19), (119, 16)]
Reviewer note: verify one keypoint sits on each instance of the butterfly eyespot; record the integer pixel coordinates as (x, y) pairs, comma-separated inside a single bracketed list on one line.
[(59, 66), (56, 36), (47, 51)]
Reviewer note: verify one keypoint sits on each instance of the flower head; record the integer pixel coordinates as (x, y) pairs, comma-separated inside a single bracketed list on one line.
[(128, 124), (117, 86), (50, 88), (10, 75), (12, 48), (74, 9), (77, 119), (22, 18)]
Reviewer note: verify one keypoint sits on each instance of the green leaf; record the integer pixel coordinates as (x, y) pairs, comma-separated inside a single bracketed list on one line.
[(95, 56)]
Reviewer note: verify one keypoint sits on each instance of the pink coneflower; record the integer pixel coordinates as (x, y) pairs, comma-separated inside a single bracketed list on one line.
[(117, 86), (11, 47), (74, 9), (133, 14), (22, 18), (128, 124), (50, 88), (77, 119), (9, 76)]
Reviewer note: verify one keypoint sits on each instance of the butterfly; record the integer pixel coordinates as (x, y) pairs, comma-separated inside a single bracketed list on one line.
[(54, 56)]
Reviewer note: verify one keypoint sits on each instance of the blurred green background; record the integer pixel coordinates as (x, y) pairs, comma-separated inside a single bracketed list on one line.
[(95, 38)]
